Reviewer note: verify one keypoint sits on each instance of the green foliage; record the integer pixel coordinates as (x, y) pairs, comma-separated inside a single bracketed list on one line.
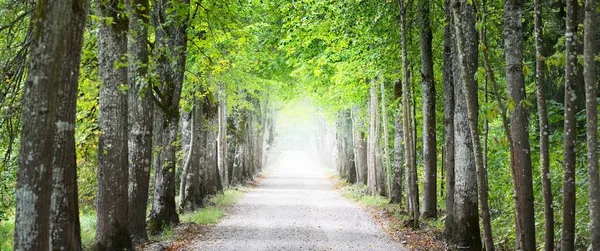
[(7, 234)]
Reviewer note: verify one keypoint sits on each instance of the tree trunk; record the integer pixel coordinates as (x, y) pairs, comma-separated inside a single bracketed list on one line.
[(570, 129), (373, 140), (222, 143), (34, 177), (349, 163), (540, 69), (386, 155), (519, 129), (360, 148), (468, 186), (112, 198), (429, 130), (65, 231), (171, 39), (591, 80), (211, 178), (140, 119), (412, 186), (397, 186), (191, 196), (449, 52)]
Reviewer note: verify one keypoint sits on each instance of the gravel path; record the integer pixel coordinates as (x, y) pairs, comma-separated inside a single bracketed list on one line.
[(295, 208)]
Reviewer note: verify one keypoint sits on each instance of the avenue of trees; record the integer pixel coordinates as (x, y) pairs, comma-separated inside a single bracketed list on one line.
[(479, 114)]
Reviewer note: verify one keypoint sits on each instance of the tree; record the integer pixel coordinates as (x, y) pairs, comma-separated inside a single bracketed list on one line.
[(540, 69), (360, 148), (373, 140), (449, 51), (429, 129), (411, 184), (468, 159), (190, 191), (112, 199), (34, 179), (65, 231), (399, 163), (570, 129), (519, 132), (591, 80), (140, 118), (222, 138), (170, 21)]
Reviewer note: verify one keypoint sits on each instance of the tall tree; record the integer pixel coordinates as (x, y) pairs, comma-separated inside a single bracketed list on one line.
[(190, 194), (449, 51), (171, 22), (591, 80), (360, 148), (540, 78), (519, 128), (373, 140), (468, 186), (570, 129), (386, 141), (397, 185), (140, 118), (429, 130), (39, 104), (112, 217), (64, 226), (222, 142), (412, 187)]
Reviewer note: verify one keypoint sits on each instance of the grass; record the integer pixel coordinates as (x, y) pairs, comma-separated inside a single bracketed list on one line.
[(7, 229), (214, 211)]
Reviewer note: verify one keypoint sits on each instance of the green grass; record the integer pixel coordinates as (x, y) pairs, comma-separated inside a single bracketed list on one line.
[(360, 193), (7, 229), (215, 209)]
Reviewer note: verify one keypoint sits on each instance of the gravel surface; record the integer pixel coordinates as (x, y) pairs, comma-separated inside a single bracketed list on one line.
[(295, 207)]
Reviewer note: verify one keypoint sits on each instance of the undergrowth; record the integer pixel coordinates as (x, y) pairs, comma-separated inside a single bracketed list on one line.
[(215, 208)]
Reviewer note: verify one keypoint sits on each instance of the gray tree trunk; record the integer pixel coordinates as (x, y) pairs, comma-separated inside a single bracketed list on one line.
[(540, 70), (398, 181), (373, 140), (360, 148), (386, 144), (222, 143), (212, 183), (140, 119), (191, 195), (65, 232), (412, 187), (39, 107), (467, 153), (519, 129), (429, 130), (591, 80), (171, 41), (112, 198), (449, 59), (570, 129)]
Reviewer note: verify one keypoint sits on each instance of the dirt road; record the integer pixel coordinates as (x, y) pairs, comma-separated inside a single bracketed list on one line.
[(295, 208)]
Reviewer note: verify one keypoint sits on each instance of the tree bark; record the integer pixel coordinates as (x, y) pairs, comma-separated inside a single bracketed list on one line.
[(397, 186), (112, 220), (39, 105), (65, 231), (211, 177), (591, 80), (190, 190), (171, 44), (140, 119), (429, 130), (386, 140), (360, 148), (222, 143), (519, 129), (570, 129), (412, 187), (468, 186), (540, 70), (449, 52), (373, 140)]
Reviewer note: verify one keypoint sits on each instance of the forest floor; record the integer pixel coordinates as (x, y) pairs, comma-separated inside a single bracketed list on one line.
[(295, 207)]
